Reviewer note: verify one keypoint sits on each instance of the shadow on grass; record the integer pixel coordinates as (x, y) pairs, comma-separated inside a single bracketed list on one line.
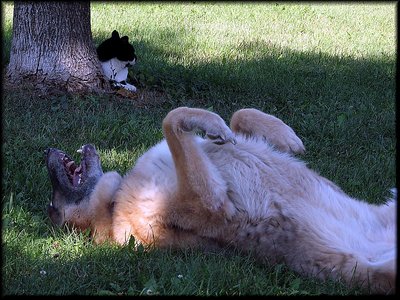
[(342, 107), (266, 75)]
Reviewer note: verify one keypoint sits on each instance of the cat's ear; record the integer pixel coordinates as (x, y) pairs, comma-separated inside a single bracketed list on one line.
[(125, 39), (115, 34)]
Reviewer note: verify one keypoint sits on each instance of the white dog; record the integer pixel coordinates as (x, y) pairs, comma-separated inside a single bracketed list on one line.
[(240, 187)]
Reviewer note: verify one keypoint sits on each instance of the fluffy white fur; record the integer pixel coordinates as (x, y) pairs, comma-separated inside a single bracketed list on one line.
[(270, 203), (243, 188)]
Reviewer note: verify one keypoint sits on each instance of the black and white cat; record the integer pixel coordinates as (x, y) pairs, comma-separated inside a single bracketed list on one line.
[(116, 54)]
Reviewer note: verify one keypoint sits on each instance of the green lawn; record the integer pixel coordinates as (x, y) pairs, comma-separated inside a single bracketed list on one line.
[(327, 70)]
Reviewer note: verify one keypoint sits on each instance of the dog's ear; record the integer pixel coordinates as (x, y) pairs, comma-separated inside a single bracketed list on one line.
[(125, 39), (115, 34)]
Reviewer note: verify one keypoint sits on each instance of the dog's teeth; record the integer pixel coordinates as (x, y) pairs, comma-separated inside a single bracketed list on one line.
[(69, 164), (79, 150), (51, 203)]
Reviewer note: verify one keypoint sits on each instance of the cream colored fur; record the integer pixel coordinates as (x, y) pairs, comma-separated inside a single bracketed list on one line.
[(247, 191)]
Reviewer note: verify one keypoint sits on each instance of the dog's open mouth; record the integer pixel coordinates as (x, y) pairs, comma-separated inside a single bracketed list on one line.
[(61, 165), (75, 173), (72, 182)]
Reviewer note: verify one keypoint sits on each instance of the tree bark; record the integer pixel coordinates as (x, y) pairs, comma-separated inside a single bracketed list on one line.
[(52, 47)]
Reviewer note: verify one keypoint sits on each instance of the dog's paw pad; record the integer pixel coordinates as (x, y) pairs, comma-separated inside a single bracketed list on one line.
[(221, 134), (221, 139)]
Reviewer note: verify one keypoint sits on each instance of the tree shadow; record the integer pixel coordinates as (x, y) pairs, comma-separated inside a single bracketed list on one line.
[(275, 79), (335, 97)]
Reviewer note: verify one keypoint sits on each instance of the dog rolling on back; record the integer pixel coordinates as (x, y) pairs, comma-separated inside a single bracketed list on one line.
[(237, 187)]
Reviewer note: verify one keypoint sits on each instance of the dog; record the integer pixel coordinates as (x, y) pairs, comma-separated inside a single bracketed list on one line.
[(116, 54), (238, 187)]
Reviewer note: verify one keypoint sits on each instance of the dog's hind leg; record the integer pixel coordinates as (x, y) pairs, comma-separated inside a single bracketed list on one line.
[(201, 203), (252, 122)]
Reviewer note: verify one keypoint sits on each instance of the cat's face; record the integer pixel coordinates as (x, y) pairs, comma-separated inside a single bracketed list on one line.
[(117, 47), (125, 51)]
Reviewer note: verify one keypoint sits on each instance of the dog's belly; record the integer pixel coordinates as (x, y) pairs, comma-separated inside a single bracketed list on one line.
[(257, 176)]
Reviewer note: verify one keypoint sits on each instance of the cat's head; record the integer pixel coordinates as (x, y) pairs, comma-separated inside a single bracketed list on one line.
[(116, 47)]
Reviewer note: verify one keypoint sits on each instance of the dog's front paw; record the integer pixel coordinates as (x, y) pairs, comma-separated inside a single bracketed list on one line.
[(280, 135), (221, 137), (194, 119), (290, 142), (212, 125)]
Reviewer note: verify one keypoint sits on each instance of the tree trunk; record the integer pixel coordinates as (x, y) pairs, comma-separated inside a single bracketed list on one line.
[(52, 47)]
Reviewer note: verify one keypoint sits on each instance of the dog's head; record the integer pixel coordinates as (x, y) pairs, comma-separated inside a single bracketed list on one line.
[(72, 184), (117, 47)]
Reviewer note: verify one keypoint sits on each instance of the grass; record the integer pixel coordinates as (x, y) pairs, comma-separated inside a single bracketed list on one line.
[(328, 70)]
